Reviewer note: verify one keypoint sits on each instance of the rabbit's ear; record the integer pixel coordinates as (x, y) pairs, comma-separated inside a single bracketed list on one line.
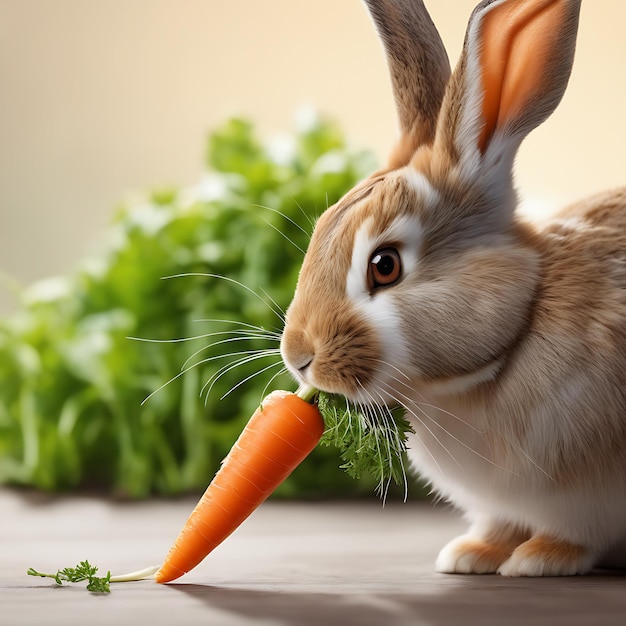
[(515, 65), (419, 69)]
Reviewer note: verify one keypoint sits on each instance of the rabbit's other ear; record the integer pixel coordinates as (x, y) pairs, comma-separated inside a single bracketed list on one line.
[(514, 68), (419, 69)]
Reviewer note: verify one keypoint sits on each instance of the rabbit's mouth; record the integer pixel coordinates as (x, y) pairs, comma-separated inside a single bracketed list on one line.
[(338, 360)]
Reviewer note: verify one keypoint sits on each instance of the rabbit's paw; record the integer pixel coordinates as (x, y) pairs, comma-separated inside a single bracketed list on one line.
[(546, 556), (469, 554)]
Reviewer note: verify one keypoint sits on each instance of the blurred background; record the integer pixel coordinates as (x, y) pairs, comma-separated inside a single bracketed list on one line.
[(102, 101)]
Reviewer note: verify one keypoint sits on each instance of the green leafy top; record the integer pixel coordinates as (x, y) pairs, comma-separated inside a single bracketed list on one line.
[(371, 439), (83, 571)]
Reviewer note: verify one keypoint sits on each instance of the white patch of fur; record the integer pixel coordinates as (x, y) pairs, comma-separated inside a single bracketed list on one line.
[(356, 280), (382, 316), (427, 194), (453, 559), (379, 308), (569, 225), (460, 384)]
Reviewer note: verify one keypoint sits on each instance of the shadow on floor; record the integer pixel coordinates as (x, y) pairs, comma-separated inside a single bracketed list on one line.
[(599, 599)]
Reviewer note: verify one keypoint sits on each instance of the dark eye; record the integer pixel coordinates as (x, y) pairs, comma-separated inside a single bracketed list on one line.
[(385, 268)]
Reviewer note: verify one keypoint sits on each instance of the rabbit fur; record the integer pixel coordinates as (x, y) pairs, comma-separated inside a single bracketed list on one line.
[(504, 340)]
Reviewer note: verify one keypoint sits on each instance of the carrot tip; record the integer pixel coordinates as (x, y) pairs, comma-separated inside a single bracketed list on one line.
[(161, 577)]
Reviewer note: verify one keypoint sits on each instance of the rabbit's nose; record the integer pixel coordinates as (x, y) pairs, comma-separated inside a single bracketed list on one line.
[(297, 351)]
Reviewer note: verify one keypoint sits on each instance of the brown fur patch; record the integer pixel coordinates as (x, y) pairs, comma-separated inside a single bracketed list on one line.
[(486, 557), (553, 552)]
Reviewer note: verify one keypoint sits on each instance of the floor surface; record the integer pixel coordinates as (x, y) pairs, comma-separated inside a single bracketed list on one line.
[(289, 564)]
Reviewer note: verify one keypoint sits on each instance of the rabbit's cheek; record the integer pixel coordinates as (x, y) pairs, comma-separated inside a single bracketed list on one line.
[(392, 364)]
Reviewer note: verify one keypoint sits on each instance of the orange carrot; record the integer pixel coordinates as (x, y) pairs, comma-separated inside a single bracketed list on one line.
[(280, 434)]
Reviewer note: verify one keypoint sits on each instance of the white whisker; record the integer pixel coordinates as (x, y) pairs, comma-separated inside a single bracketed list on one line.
[(250, 377), (307, 217), (400, 446), (227, 355), (260, 353), (439, 409), (289, 219), (287, 238), (380, 421), (404, 402), (281, 371), (222, 342), (171, 380), (238, 283), (534, 463), (459, 441), (397, 369), (210, 383), (179, 340), (260, 329), (424, 403)]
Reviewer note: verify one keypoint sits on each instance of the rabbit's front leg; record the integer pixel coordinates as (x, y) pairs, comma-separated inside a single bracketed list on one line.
[(543, 555), (483, 549)]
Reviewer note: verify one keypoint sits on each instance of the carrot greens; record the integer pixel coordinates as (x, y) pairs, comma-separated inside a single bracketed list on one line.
[(84, 571), (371, 439)]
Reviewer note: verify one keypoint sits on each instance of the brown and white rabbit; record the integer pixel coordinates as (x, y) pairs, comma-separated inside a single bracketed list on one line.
[(504, 341)]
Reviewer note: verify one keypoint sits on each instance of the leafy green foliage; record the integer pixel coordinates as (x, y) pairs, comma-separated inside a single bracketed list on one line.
[(371, 439), (71, 413), (82, 572)]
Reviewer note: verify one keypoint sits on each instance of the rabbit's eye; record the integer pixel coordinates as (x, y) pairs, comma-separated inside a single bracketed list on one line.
[(385, 268)]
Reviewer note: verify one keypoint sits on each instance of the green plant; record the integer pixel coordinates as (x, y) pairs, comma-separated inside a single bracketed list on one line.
[(71, 413)]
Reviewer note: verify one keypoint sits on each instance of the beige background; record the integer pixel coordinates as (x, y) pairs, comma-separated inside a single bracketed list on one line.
[(102, 97)]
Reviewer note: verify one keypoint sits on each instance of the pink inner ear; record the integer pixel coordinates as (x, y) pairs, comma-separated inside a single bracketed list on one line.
[(518, 39)]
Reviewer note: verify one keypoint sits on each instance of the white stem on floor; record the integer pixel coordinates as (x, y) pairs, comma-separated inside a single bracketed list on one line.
[(147, 572)]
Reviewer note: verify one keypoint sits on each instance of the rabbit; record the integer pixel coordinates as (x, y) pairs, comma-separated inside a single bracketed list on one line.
[(504, 340)]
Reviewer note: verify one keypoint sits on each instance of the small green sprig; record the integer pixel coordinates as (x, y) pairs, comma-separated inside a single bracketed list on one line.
[(83, 571), (371, 439)]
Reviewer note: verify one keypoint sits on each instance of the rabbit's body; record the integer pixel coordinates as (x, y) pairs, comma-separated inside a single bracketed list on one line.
[(498, 451), (569, 360), (546, 438), (504, 341)]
